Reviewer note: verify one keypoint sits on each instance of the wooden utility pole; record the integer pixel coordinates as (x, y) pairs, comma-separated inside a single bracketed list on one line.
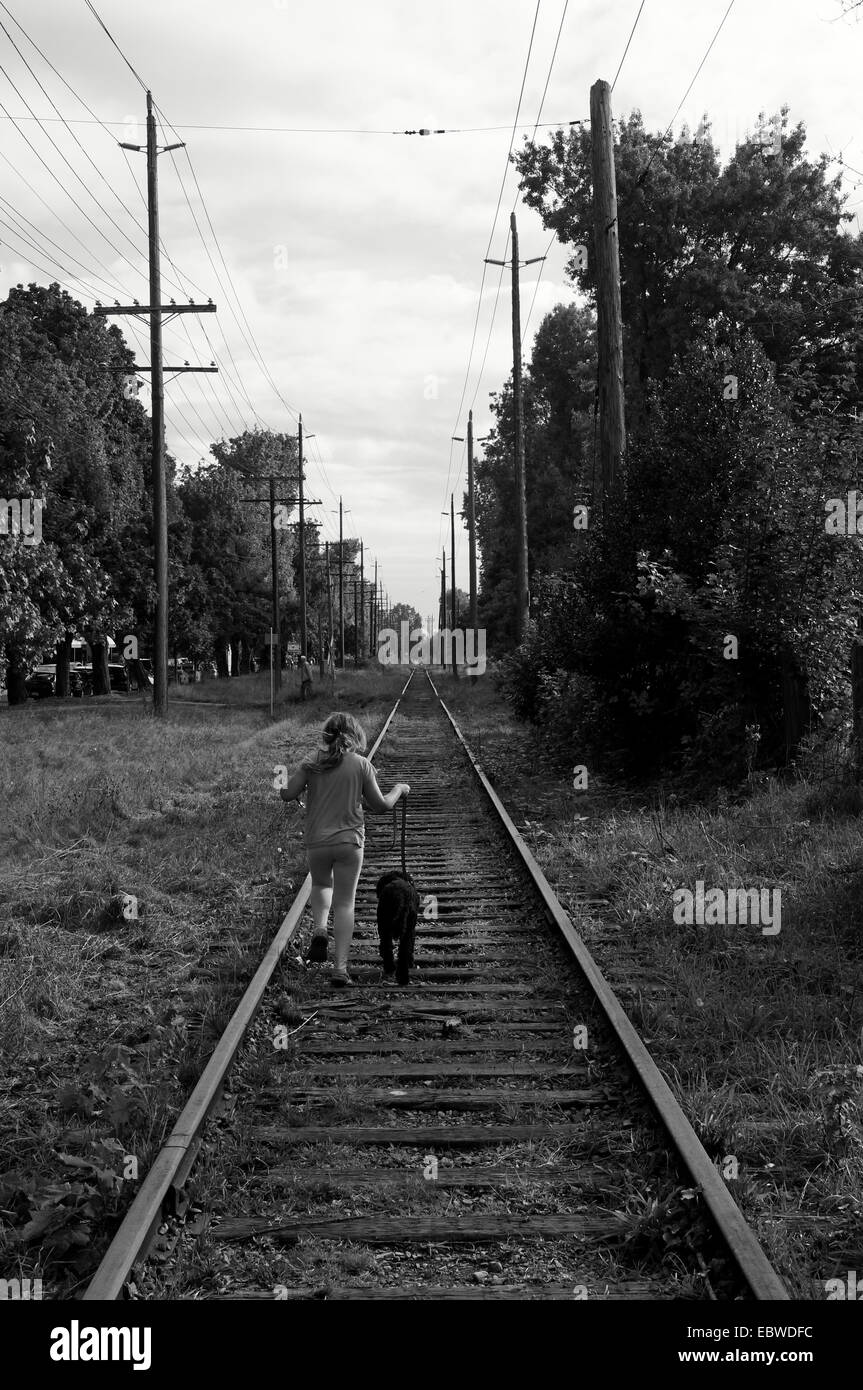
[(356, 626), (375, 598), (155, 310), (522, 612), (471, 526), (452, 577), (522, 602), (443, 607), (341, 591), (609, 321), (274, 563), (157, 389), (362, 635), (303, 630), (329, 603)]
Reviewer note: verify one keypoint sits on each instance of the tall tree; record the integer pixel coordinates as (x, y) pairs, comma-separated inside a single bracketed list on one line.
[(760, 240), (68, 434), (559, 388)]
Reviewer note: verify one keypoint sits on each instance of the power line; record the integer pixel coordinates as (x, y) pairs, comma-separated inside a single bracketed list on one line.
[(628, 42), (19, 217), (514, 205), (255, 348), (73, 200), (95, 120), (643, 175), (99, 21), (92, 162), (178, 283), (488, 249), (75, 290), (61, 118), (316, 130), (49, 275)]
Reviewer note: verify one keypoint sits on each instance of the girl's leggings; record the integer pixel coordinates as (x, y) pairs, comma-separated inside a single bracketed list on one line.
[(335, 871)]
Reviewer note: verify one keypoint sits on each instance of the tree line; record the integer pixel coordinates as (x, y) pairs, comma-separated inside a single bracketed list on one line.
[(706, 616), (73, 436)]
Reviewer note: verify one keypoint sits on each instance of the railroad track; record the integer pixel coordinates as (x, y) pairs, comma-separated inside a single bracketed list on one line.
[(495, 1130)]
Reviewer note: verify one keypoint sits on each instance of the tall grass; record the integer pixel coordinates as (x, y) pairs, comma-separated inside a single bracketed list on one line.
[(106, 1022)]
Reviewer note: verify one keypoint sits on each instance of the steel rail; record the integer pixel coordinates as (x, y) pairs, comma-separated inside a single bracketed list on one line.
[(743, 1245), (176, 1157)]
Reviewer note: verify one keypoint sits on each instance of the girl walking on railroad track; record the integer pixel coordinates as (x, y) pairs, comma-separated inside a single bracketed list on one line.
[(339, 781)]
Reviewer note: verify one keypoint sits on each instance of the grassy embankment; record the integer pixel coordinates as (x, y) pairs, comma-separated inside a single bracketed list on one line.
[(105, 1024), (761, 1037)]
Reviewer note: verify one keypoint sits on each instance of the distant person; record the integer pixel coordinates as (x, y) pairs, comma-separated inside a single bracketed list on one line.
[(305, 678), (338, 782)]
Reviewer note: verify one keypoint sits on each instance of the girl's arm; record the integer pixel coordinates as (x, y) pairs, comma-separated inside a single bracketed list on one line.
[(296, 785), (374, 798)]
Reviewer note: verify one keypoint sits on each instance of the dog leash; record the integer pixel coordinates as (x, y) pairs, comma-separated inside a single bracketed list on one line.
[(404, 805)]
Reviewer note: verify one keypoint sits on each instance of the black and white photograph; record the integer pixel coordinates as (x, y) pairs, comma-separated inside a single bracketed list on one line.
[(431, 682)]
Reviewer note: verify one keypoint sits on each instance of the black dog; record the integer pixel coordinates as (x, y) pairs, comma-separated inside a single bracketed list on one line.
[(398, 909)]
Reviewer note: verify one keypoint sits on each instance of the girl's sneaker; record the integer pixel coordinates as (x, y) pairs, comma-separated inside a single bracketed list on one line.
[(318, 948), (340, 979)]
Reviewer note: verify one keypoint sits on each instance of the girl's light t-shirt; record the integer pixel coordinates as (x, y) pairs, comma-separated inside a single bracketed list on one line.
[(334, 812)]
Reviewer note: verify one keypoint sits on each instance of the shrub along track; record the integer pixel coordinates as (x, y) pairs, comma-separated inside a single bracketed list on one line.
[(494, 1130)]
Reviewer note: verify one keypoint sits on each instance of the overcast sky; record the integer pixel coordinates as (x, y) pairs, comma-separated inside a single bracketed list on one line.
[(357, 257)]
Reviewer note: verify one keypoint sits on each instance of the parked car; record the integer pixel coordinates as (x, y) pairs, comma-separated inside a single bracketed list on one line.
[(42, 683), (118, 678)]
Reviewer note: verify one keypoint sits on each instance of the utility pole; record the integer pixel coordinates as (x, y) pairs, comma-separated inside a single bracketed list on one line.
[(471, 520), (609, 322), (272, 502), (362, 600), (443, 607), (155, 310), (452, 577), (522, 605), (374, 613), (329, 604), (471, 526), (341, 591), (522, 600), (274, 560), (157, 392), (356, 627), (303, 632)]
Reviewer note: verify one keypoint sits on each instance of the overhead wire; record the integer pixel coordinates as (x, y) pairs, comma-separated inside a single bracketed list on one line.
[(227, 346), (488, 249), (116, 249), (81, 147), (628, 42), (536, 126), (643, 175), (112, 283), (101, 23), (248, 334), (319, 130), (250, 340)]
